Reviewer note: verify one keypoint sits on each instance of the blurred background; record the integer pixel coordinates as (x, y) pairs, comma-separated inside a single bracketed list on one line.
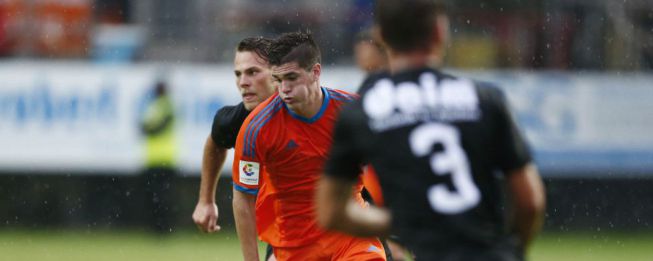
[(512, 34), (77, 78)]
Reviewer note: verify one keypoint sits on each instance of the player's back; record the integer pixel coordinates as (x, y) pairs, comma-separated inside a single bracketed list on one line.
[(292, 149), (436, 143)]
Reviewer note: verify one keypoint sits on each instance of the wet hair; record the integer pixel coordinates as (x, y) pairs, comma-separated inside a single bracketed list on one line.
[(406, 25), (258, 45), (367, 37), (295, 47)]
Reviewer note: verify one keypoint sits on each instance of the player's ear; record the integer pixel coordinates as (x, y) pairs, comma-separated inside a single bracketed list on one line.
[(440, 34), (316, 70), (376, 35)]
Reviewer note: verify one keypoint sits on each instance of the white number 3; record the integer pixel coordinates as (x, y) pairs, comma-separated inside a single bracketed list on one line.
[(451, 160)]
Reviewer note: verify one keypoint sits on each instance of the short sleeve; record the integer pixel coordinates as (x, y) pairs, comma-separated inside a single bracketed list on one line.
[(247, 166), (514, 152), (346, 154), (222, 131)]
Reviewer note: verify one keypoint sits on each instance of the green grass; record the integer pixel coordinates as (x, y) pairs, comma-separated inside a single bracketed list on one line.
[(131, 245), (117, 245), (594, 246)]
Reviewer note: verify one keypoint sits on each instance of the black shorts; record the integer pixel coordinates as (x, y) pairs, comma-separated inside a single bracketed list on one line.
[(507, 251)]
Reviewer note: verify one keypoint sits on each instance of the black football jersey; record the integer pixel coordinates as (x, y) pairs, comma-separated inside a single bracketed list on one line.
[(439, 145), (369, 80), (226, 124)]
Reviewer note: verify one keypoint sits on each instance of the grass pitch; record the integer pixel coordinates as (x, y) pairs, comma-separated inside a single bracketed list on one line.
[(30, 245)]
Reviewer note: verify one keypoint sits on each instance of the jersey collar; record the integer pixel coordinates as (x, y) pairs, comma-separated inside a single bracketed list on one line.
[(318, 115)]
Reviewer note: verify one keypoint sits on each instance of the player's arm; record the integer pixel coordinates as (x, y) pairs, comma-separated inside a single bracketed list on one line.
[(213, 158), (206, 210), (245, 176), (528, 201), (336, 208), (338, 211), (244, 215), (155, 120), (523, 180)]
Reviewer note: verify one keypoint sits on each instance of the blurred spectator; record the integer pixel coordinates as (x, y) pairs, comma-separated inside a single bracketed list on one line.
[(561, 35), (10, 20), (157, 125), (62, 27), (112, 11), (644, 21)]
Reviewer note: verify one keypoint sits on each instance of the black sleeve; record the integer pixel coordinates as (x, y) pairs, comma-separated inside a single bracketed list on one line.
[(346, 155), (513, 150), (225, 127)]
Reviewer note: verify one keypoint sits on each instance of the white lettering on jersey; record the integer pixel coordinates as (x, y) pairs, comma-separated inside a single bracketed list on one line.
[(451, 161), (389, 106), (380, 101)]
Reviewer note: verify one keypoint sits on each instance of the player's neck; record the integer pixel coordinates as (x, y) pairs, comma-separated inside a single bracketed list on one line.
[(313, 103), (406, 61)]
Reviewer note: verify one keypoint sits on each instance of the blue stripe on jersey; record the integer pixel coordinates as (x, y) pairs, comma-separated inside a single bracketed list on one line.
[(252, 126), (341, 99), (255, 125), (341, 96), (325, 104), (258, 128), (244, 189)]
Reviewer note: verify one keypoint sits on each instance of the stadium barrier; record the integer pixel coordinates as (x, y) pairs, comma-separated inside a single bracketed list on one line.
[(72, 150), (82, 118)]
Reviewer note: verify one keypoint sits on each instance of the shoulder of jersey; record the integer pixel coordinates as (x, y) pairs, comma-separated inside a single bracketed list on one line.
[(370, 80), (340, 95), (258, 119), (229, 115), (488, 91)]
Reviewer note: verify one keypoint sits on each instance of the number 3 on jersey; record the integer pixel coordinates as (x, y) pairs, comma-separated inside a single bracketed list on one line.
[(451, 160)]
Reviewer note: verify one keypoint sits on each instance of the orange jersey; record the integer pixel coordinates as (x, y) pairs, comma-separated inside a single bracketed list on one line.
[(372, 185), (279, 156)]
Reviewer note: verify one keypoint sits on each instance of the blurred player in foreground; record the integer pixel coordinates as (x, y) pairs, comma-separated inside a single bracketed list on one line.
[(255, 84), (289, 136), (371, 57), (438, 144)]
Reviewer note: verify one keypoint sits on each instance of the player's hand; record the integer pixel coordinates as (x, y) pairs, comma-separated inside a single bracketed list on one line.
[(205, 217)]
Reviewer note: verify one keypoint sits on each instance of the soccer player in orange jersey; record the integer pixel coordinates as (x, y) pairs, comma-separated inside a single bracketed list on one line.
[(284, 143)]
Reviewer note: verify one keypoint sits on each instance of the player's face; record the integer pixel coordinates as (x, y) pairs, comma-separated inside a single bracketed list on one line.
[(369, 57), (253, 78), (297, 86)]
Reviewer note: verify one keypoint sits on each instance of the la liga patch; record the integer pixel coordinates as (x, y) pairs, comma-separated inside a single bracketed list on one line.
[(249, 172)]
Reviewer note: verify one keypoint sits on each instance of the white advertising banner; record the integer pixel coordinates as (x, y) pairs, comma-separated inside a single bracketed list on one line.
[(597, 124), (82, 118)]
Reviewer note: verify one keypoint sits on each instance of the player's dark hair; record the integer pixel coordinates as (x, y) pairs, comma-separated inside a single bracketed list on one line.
[(258, 45), (366, 36), (407, 25), (295, 47)]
